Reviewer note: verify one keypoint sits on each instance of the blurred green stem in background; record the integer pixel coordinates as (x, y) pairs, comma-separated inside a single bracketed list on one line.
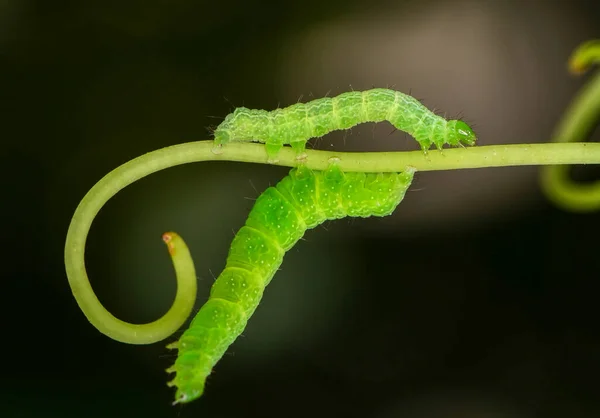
[(577, 123)]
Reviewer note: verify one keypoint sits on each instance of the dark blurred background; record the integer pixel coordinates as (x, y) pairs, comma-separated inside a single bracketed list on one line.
[(477, 298)]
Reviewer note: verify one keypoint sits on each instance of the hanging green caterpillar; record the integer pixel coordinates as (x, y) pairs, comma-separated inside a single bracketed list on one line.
[(296, 124), (279, 218)]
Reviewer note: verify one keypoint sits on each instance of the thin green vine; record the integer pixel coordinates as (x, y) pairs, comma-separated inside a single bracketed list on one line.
[(578, 122)]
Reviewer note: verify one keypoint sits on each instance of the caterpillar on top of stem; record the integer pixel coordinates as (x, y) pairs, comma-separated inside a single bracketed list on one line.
[(296, 124)]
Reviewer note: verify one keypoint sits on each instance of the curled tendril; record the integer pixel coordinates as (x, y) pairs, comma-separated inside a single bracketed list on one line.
[(578, 122), (103, 320), (149, 333)]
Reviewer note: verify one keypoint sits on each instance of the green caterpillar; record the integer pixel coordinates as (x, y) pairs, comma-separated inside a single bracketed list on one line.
[(279, 218), (296, 124)]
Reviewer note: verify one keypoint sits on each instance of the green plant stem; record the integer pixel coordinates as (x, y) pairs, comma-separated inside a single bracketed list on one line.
[(113, 182)]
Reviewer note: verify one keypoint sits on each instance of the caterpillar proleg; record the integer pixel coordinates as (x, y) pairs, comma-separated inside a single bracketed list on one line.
[(296, 124), (279, 218)]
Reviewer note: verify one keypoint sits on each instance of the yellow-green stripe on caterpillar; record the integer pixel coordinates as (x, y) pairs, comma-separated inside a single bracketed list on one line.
[(302, 200), (296, 124)]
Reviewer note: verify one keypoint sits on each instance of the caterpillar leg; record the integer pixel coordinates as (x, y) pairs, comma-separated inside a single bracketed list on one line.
[(425, 146), (273, 151), (217, 149), (299, 148)]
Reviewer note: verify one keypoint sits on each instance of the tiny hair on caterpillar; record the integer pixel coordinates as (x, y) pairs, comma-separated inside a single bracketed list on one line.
[(279, 218), (296, 124)]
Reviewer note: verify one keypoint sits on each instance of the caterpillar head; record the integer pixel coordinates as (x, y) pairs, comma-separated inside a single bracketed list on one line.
[(460, 133), (222, 131)]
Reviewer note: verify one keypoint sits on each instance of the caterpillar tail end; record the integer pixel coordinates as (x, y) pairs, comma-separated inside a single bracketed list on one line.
[(217, 149), (221, 138)]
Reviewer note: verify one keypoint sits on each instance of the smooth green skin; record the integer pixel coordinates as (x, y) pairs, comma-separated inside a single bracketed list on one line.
[(299, 122), (578, 123), (279, 218), (478, 157)]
